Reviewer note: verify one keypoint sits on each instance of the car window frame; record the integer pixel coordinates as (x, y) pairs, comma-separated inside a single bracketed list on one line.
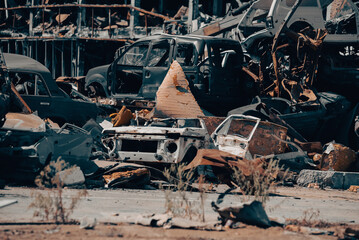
[(128, 49), (41, 77), (196, 53), (150, 47)]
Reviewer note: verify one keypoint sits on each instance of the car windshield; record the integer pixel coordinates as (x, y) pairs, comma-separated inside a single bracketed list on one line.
[(135, 56)]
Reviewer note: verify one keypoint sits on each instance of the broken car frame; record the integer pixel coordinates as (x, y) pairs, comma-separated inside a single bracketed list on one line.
[(162, 140)]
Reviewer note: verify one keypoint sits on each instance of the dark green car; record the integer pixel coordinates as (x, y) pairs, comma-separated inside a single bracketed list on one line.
[(39, 90)]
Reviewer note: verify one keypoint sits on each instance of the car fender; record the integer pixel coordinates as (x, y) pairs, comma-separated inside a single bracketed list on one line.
[(97, 75)]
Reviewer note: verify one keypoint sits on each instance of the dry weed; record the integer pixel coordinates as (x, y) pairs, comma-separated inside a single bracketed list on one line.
[(51, 205), (310, 219), (178, 202), (259, 181)]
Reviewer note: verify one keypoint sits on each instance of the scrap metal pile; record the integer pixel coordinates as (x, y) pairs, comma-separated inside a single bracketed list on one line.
[(164, 101)]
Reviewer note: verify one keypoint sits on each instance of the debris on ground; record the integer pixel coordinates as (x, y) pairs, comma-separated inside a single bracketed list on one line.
[(353, 188), (338, 158), (88, 223), (129, 179), (72, 176), (167, 221), (7, 202), (249, 213)]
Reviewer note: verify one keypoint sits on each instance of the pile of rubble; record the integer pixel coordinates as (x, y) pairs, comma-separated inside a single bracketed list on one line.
[(164, 99), (175, 131)]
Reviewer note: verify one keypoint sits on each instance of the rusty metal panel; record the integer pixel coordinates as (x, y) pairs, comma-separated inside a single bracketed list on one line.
[(24, 122), (264, 143), (212, 123), (337, 157), (174, 97), (211, 29)]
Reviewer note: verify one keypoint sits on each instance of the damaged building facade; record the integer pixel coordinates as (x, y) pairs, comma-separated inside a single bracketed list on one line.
[(71, 37)]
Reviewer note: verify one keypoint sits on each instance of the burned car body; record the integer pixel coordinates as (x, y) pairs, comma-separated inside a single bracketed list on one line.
[(250, 138), (294, 21), (162, 141), (27, 144), (213, 67), (39, 90), (265, 17), (310, 119)]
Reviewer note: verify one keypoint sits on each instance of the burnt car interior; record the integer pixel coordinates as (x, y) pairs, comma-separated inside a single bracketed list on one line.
[(129, 68), (128, 72), (29, 84), (224, 62)]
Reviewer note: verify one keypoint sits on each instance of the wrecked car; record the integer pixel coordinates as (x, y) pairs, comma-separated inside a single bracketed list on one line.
[(36, 86), (213, 67), (317, 120), (250, 138), (27, 144), (161, 141)]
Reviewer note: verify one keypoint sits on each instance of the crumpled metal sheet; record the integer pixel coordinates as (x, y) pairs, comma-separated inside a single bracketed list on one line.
[(24, 122), (130, 178), (264, 141), (174, 97), (251, 213), (224, 162)]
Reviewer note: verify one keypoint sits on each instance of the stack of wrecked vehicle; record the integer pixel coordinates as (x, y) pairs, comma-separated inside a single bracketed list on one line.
[(29, 143), (295, 31), (178, 140), (213, 67)]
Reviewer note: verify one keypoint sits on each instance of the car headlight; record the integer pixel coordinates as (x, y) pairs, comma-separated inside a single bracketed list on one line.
[(171, 147)]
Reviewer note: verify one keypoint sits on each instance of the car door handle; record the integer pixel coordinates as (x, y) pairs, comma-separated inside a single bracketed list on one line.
[(45, 103), (147, 74)]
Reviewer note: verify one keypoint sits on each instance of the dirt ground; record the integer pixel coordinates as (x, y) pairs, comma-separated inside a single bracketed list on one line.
[(127, 231), (113, 207)]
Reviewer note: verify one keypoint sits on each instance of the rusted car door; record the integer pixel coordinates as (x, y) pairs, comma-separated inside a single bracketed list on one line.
[(157, 64), (125, 74), (234, 134)]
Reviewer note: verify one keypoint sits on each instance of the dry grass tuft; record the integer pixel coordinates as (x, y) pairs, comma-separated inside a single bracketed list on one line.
[(51, 205)]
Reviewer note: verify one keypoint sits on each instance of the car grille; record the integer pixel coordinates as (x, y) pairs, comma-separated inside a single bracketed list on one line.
[(139, 146)]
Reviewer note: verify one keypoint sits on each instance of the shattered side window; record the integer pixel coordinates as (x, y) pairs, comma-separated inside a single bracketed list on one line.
[(29, 84), (159, 55), (135, 56), (186, 54)]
